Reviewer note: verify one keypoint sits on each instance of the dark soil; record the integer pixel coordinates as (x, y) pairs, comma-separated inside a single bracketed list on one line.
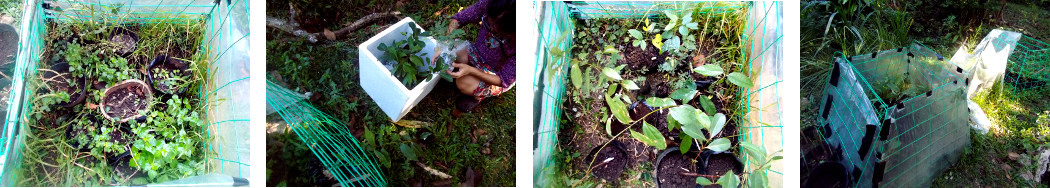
[(8, 44), (671, 168), (637, 111), (609, 162), (61, 82), (126, 41), (648, 59), (126, 101), (828, 174), (165, 72), (719, 164)]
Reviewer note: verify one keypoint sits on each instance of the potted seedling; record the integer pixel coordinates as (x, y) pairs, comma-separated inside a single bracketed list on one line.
[(126, 100), (168, 75), (720, 164), (60, 80), (125, 39), (608, 162), (394, 68)]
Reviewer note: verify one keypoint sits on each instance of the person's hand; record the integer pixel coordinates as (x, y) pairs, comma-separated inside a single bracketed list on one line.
[(452, 25), (464, 69)]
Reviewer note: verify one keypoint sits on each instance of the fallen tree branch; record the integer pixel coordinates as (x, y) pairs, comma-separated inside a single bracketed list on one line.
[(433, 171), (292, 27)]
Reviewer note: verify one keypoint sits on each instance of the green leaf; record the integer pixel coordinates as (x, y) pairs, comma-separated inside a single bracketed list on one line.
[(660, 102), (757, 179), (610, 50), (684, 94), (611, 74), (739, 79), (709, 70), (687, 143), (575, 75), (658, 41), (687, 115), (650, 136), (635, 33), (409, 153), (756, 153), (703, 181), (717, 123), (707, 105), (719, 145), (619, 110), (729, 180), (629, 84)]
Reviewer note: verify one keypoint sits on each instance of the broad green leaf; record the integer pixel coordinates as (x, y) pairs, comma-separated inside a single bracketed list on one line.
[(757, 179), (672, 123), (611, 74), (673, 44), (739, 79), (660, 102), (684, 94), (608, 126), (650, 136), (756, 153), (409, 153), (556, 52), (635, 33), (690, 123), (610, 50), (703, 181), (719, 145), (709, 70), (717, 123), (687, 143), (629, 84), (707, 105), (729, 180), (619, 110), (575, 75)]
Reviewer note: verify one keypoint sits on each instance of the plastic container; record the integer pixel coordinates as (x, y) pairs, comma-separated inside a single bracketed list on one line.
[(385, 89)]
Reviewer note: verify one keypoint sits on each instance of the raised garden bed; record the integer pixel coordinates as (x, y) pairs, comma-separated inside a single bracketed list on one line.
[(667, 85), (95, 122)]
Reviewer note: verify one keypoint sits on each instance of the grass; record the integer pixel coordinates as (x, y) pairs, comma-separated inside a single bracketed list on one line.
[(49, 158), (329, 70), (1019, 114)]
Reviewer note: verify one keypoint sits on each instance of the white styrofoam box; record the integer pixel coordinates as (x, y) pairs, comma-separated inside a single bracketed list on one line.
[(386, 90)]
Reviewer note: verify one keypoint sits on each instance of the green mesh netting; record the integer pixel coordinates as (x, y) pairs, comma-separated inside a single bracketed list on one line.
[(328, 138), (1029, 64), (897, 117), (762, 124), (224, 48)]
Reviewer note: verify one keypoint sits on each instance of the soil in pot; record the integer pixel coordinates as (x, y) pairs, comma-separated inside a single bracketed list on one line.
[(637, 110), (717, 164), (8, 44), (828, 174), (609, 162), (62, 81), (675, 170), (168, 75), (125, 39), (648, 59), (126, 100)]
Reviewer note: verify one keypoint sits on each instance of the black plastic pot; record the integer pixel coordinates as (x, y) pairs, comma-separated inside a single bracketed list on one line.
[(160, 62), (62, 70), (616, 147), (708, 156), (672, 151), (117, 33)]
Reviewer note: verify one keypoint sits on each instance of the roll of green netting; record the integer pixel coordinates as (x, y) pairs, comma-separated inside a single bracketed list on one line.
[(554, 24), (329, 139)]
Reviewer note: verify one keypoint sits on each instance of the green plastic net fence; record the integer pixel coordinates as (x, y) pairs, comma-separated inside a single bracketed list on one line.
[(762, 122), (328, 138), (897, 117), (1029, 65), (224, 47)]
